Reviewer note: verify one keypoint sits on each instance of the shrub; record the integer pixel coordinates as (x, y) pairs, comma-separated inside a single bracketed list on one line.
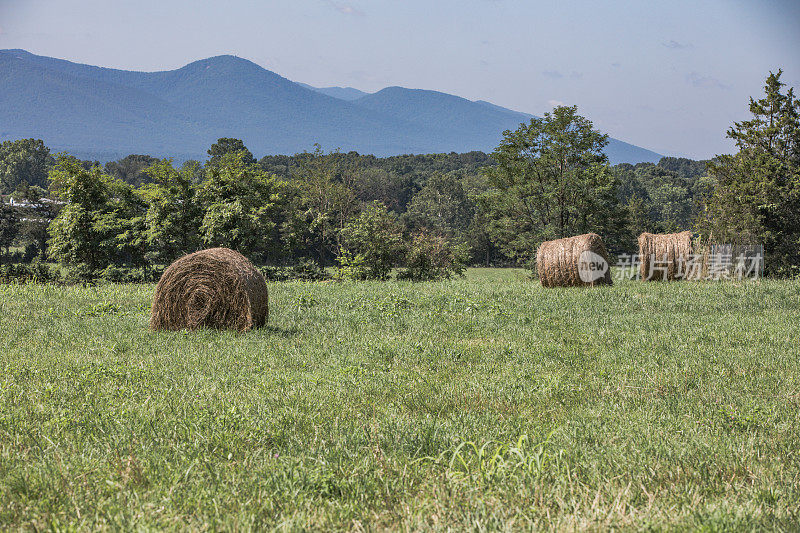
[(352, 266), (372, 243), (78, 273), (309, 270), (118, 274), (34, 272), (31, 252), (305, 270), (122, 274), (432, 258)]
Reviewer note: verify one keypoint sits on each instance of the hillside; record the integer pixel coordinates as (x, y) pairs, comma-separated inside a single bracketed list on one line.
[(104, 113), (342, 93)]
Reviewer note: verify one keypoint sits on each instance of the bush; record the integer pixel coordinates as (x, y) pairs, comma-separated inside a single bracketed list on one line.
[(78, 274), (371, 244), (306, 270), (31, 252), (352, 266), (432, 258), (34, 272), (117, 274), (120, 274)]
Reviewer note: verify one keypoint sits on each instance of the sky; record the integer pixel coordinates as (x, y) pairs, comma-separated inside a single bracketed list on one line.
[(668, 76)]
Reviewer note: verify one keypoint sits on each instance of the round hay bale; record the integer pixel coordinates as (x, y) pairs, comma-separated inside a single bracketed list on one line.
[(664, 256), (215, 288), (579, 261)]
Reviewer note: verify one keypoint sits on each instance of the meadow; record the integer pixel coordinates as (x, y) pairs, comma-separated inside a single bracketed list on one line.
[(484, 402)]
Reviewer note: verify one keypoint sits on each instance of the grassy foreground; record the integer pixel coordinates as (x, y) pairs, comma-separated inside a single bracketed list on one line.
[(485, 402)]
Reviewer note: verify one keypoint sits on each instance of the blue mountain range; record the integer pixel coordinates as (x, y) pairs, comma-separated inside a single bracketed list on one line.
[(102, 113)]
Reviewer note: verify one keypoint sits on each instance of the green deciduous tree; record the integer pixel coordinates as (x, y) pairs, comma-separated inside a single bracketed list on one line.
[(658, 200), (173, 212), (372, 184), (24, 161), (101, 222), (79, 233), (324, 200), (37, 216), (371, 244), (442, 206), (227, 145), (242, 206), (551, 180), (9, 226), (131, 169), (757, 193), (123, 224)]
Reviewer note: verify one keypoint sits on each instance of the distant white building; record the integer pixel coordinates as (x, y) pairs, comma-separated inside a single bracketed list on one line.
[(26, 204)]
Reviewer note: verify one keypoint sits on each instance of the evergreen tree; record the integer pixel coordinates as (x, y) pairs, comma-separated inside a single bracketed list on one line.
[(757, 193)]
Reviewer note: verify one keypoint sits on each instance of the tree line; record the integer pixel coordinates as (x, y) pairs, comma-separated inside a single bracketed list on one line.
[(431, 214)]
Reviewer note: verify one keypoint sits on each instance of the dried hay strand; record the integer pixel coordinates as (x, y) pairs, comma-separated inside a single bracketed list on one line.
[(215, 288), (665, 256), (574, 262)]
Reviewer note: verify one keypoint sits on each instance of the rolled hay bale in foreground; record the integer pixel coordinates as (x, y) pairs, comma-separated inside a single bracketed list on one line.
[(573, 262), (664, 256), (215, 288)]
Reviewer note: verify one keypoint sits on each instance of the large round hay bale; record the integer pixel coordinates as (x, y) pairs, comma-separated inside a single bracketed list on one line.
[(573, 262), (215, 288), (664, 256)]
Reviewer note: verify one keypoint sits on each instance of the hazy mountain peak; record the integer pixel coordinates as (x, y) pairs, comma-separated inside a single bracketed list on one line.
[(107, 113), (15, 51), (396, 90), (224, 60), (342, 93)]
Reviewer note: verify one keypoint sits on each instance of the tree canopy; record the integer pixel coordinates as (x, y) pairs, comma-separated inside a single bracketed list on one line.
[(551, 180), (25, 161), (547, 179), (757, 190)]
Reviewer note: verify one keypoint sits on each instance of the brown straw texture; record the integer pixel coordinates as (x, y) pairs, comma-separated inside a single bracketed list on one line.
[(664, 257), (215, 288), (557, 262)]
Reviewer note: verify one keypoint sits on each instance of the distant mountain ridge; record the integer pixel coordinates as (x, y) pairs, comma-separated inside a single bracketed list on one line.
[(342, 93), (103, 113)]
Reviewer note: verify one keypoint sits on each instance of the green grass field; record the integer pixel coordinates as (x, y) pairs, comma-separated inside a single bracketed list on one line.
[(478, 403)]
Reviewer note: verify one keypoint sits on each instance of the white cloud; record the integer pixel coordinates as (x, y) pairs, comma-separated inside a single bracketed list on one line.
[(554, 103), (698, 80), (675, 45), (346, 8), (557, 75)]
